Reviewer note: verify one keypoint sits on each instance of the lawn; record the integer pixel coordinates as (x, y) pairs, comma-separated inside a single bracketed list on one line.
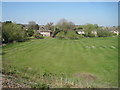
[(87, 62)]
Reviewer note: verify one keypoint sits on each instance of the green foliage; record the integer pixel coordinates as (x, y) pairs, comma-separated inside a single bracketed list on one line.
[(12, 32), (57, 30), (89, 35), (61, 35), (88, 28), (71, 35), (115, 34), (38, 35), (30, 32), (0, 32), (104, 33), (80, 36)]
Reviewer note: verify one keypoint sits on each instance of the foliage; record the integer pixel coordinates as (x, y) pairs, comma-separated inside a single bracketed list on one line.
[(115, 34), (30, 32), (49, 26), (104, 33), (69, 35), (0, 32), (61, 35), (65, 25), (38, 35), (57, 30), (72, 35), (12, 32), (32, 25), (80, 36), (89, 35), (88, 29)]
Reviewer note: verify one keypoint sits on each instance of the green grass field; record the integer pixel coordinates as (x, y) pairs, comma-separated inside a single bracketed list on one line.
[(87, 62)]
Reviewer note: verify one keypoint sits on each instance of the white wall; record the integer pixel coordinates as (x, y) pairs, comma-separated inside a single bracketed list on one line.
[(45, 33)]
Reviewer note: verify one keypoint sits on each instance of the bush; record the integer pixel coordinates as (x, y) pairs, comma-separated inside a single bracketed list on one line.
[(91, 35), (104, 33), (12, 32), (115, 34), (72, 35), (38, 35), (80, 36), (68, 35), (61, 35), (30, 32)]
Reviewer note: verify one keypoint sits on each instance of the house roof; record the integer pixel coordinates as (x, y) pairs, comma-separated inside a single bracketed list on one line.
[(45, 31)]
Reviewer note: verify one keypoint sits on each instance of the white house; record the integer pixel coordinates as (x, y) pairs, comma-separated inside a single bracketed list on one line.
[(45, 32), (115, 32), (94, 32), (80, 32), (83, 32)]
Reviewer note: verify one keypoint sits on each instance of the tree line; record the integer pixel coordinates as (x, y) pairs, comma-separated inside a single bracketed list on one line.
[(12, 32)]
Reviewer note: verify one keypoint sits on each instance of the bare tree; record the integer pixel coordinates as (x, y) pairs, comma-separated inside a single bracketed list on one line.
[(33, 25), (65, 25), (50, 26)]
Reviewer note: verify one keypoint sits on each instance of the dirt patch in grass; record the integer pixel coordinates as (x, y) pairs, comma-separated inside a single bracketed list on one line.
[(87, 76)]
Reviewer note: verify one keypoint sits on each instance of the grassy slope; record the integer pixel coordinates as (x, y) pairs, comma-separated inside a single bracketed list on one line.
[(67, 56)]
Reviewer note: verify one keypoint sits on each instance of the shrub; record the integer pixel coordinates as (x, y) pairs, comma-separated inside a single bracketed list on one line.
[(91, 35), (38, 35), (72, 35), (30, 32), (12, 32), (104, 33), (61, 35), (115, 34), (80, 36), (69, 35)]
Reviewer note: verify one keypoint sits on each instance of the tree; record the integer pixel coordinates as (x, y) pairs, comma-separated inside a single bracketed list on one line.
[(30, 32), (12, 32), (50, 26), (103, 33), (88, 28), (65, 25), (61, 35), (38, 35), (69, 35), (32, 25), (55, 32), (72, 35)]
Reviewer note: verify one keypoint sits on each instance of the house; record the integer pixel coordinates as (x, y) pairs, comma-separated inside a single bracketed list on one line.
[(83, 32), (113, 29), (47, 33), (80, 32), (44, 31), (115, 32), (94, 32)]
